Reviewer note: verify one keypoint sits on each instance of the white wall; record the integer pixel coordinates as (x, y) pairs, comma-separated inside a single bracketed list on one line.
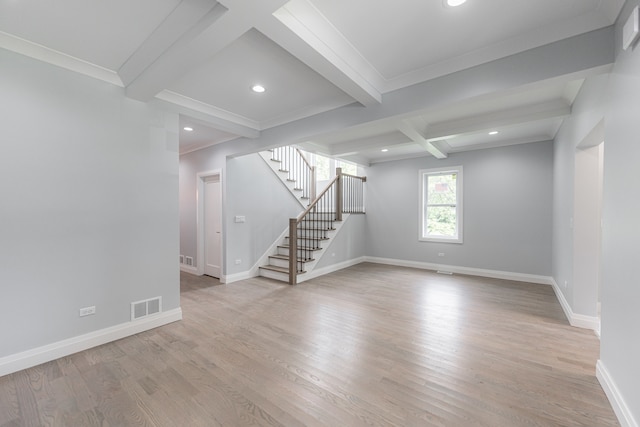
[(507, 210), (620, 345), (88, 208)]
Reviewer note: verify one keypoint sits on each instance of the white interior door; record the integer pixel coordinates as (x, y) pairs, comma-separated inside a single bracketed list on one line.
[(212, 226)]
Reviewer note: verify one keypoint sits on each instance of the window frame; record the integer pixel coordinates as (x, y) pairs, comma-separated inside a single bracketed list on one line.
[(423, 174)]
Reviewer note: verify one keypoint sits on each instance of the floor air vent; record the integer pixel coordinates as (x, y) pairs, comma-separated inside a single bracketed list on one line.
[(144, 308)]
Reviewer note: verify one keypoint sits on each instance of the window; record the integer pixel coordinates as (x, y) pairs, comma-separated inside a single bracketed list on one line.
[(323, 168), (348, 168), (441, 204)]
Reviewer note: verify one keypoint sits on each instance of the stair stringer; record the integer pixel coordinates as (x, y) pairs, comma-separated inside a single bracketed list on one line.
[(283, 178), (273, 249)]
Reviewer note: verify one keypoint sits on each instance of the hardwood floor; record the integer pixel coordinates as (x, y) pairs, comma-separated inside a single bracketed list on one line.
[(369, 345)]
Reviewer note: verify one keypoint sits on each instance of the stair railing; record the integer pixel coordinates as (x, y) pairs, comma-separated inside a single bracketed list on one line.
[(298, 168), (344, 194)]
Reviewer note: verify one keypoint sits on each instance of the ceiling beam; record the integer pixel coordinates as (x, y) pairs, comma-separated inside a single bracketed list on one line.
[(481, 122), (368, 143), (415, 128), (207, 114), (189, 17), (221, 26), (303, 31)]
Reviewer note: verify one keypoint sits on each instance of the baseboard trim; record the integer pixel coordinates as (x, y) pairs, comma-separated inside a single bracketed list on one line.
[(576, 320), (189, 269), (49, 352), (494, 274), (230, 278), (625, 417), (329, 269)]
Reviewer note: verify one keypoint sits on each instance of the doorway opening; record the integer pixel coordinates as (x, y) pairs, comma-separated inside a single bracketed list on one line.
[(587, 226)]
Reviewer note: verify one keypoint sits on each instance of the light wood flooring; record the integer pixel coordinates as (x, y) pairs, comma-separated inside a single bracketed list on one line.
[(369, 345)]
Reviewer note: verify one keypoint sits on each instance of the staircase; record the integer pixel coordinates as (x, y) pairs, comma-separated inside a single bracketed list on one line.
[(318, 224), (294, 171), (312, 241)]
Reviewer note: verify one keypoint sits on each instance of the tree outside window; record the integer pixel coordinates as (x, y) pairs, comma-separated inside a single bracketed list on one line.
[(441, 204)]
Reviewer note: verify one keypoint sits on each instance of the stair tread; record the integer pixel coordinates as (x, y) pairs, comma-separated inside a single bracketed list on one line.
[(304, 248), (279, 269), (311, 238), (286, 257), (317, 229)]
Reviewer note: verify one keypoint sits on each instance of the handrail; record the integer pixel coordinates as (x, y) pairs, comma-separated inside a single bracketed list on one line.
[(345, 193), (304, 158), (313, 204)]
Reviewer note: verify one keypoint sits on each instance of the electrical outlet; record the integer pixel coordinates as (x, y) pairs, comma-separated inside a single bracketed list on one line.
[(86, 311), (441, 254), (566, 283), (238, 261)]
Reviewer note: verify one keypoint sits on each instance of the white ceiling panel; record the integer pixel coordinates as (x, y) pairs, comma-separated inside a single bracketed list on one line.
[(405, 36), (200, 58), (293, 90), (104, 33)]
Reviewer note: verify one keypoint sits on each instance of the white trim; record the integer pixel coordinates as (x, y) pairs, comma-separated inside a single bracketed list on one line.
[(49, 352), (243, 275), (458, 170), (189, 269), (494, 274), (329, 269), (576, 320), (200, 178), (625, 417), (59, 59)]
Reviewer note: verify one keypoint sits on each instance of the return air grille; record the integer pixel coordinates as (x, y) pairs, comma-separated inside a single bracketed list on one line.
[(144, 308)]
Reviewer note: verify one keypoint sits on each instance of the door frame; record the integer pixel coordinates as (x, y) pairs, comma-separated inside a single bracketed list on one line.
[(201, 178)]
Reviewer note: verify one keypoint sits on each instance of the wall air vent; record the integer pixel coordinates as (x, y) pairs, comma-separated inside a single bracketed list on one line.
[(188, 260), (144, 308)]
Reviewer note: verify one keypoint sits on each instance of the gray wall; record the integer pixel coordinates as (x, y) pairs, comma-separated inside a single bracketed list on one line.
[(507, 210), (586, 113), (620, 347), (208, 159), (615, 98), (256, 193), (89, 207), (349, 244), (250, 189)]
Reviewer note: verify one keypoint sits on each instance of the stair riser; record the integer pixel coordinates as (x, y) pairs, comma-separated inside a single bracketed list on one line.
[(319, 225), (274, 275), (318, 234), (309, 243), (277, 262)]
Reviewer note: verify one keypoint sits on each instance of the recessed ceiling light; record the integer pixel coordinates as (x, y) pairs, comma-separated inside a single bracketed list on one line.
[(493, 132), (258, 88), (453, 3), (188, 129), (384, 150)]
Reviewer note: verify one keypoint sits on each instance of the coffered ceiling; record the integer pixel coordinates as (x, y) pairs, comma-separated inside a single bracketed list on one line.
[(201, 57)]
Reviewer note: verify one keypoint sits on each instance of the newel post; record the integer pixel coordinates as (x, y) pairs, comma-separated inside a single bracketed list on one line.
[(313, 185), (339, 194), (293, 251)]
